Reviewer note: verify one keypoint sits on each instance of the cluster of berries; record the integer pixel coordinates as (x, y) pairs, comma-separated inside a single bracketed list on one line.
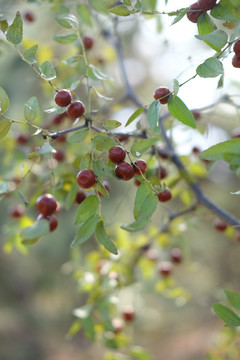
[(198, 8)]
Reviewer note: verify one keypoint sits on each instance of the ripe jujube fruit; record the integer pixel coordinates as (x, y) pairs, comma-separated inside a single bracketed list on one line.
[(17, 211), (29, 16), (53, 221), (123, 137), (220, 225), (76, 109), (165, 195), (46, 204), (59, 155), (165, 268), (162, 94), (140, 167), (137, 182), (88, 42), (162, 172), (124, 171), (193, 16), (22, 139), (63, 98), (128, 313), (62, 138), (80, 197), (86, 178), (176, 255), (206, 5), (236, 61), (116, 154), (236, 47)]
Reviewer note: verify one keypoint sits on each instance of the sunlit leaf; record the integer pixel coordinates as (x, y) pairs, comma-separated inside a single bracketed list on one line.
[(180, 111), (226, 314), (5, 126), (216, 152), (135, 115)]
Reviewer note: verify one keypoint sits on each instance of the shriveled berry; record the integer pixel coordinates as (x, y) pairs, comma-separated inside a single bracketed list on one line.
[(236, 61), (53, 221), (220, 225), (236, 47), (17, 211), (86, 178), (206, 5), (46, 204), (116, 154), (196, 12), (63, 97), (176, 255), (165, 195), (124, 171), (165, 268), (88, 42), (80, 197), (140, 167), (162, 94), (76, 109)]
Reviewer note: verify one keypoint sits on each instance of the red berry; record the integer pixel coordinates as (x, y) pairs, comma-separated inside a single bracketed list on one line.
[(117, 325), (128, 313), (236, 61), (116, 154), (59, 155), (88, 42), (53, 221), (46, 204), (236, 47), (220, 225), (123, 137), (193, 16), (22, 139), (176, 255), (165, 195), (124, 171), (29, 16), (162, 94), (62, 138), (196, 150), (162, 172), (63, 98), (137, 182), (86, 178), (206, 5), (80, 197), (197, 114), (140, 167), (76, 109), (58, 118), (165, 268), (17, 211)]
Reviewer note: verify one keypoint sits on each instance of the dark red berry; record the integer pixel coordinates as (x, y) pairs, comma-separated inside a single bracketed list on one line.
[(140, 167), (193, 16), (22, 139), (197, 114), (17, 211), (238, 236), (80, 197), (196, 150), (236, 61), (206, 5), (176, 255), (123, 137), (63, 97), (58, 118), (162, 94), (116, 154), (53, 221), (161, 172), (137, 182), (29, 16), (165, 268), (46, 204), (76, 109), (124, 171), (128, 313), (62, 138), (220, 225), (88, 42), (59, 155), (86, 178), (165, 195), (236, 47)]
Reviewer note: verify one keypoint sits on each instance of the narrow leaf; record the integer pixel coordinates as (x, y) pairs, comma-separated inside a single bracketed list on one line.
[(15, 31), (153, 115), (137, 225), (97, 74), (4, 101), (148, 207), (86, 230), (179, 110), (217, 151), (104, 239), (48, 71), (227, 315), (142, 192), (180, 15), (86, 209), (135, 115), (112, 124), (65, 39)]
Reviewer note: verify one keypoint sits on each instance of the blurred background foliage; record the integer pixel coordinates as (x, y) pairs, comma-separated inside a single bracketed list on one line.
[(41, 286)]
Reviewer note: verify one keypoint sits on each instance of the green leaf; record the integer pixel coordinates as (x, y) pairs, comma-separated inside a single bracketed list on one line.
[(84, 14), (5, 126), (101, 189), (86, 230), (137, 225), (120, 10), (148, 207), (4, 101), (15, 31), (153, 115), (211, 67), (46, 148), (86, 209), (78, 136), (101, 96), (127, 2), (205, 24), (100, 6), (47, 70), (141, 146), (135, 115), (97, 74), (233, 298), (71, 195), (86, 161), (31, 109), (30, 241), (89, 327), (38, 229), (30, 53), (112, 124), (182, 12), (227, 315), (103, 143), (4, 187), (179, 111), (217, 151), (139, 353), (67, 21), (104, 239), (176, 87), (103, 170), (142, 192), (3, 25), (217, 38), (225, 12), (65, 39)]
